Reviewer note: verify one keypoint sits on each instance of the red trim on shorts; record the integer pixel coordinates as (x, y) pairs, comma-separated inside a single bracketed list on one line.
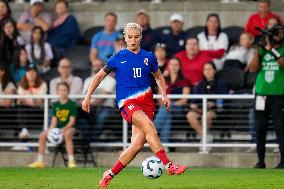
[(131, 107)]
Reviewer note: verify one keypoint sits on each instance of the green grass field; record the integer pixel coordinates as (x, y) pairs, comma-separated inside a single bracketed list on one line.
[(61, 178)]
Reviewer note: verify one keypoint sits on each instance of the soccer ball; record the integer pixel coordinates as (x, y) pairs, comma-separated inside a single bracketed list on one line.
[(152, 167), (55, 136)]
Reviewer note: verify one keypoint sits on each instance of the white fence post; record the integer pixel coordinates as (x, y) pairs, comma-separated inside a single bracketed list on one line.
[(45, 122), (124, 134), (204, 125)]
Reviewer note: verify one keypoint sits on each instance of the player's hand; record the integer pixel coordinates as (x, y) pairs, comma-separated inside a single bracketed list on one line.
[(167, 103), (86, 105)]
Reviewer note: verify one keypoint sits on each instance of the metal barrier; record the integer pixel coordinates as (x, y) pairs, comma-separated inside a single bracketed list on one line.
[(232, 120)]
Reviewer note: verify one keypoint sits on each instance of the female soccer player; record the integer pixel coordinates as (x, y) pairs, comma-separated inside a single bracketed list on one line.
[(133, 67)]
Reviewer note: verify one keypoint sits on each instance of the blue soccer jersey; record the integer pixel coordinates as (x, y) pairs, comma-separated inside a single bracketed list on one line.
[(133, 75)]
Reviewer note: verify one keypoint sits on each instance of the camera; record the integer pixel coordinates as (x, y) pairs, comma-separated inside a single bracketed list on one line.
[(273, 35)]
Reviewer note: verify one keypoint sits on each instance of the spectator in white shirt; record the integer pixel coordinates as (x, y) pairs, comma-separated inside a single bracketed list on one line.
[(65, 75), (241, 55), (212, 38)]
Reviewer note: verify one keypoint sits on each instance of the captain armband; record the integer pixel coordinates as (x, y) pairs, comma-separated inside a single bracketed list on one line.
[(107, 69), (275, 53)]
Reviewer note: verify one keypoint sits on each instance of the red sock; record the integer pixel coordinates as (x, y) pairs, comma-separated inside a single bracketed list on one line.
[(163, 157), (118, 166)]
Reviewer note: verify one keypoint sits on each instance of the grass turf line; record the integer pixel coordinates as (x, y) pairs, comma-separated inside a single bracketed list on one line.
[(63, 178)]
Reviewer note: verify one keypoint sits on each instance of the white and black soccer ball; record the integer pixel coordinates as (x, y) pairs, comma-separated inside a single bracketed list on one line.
[(55, 136), (152, 167)]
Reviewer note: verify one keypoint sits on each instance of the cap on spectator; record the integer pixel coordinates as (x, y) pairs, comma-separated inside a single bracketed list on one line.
[(30, 67), (32, 2), (142, 11), (176, 17)]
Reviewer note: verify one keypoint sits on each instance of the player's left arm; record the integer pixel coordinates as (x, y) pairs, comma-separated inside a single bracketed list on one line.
[(160, 80)]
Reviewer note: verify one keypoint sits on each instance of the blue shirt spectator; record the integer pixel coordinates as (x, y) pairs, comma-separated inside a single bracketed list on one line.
[(175, 40), (210, 87), (65, 32), (210, 84), (103, 43)]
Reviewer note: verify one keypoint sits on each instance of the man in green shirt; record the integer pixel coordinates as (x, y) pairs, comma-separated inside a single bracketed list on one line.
[(64, 117), (269, 63)]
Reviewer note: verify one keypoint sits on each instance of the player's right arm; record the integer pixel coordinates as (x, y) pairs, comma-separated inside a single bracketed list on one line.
[(94, 84)]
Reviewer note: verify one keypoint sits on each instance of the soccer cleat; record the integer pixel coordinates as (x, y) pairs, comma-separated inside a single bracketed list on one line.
[(37, 164), (72, 164), (105, 180), (175, 169)]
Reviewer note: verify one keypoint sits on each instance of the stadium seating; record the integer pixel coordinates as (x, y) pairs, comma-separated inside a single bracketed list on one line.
[(79, 56), (234, 78), (194, 31), (233, 33)]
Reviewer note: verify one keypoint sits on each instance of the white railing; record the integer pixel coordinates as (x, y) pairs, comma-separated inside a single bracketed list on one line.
[(124, 142)]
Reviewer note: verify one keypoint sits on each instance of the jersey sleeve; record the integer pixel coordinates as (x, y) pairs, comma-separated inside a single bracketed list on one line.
[(154, 64), (111, 64)]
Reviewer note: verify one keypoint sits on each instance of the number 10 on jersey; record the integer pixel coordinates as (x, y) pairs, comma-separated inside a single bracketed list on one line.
[(136, 72)]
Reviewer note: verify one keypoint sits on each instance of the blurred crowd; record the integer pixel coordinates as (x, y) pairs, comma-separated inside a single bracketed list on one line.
[(33, 48)]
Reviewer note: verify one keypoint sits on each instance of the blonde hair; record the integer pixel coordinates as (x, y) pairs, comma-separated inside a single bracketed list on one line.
[(132, 26)]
